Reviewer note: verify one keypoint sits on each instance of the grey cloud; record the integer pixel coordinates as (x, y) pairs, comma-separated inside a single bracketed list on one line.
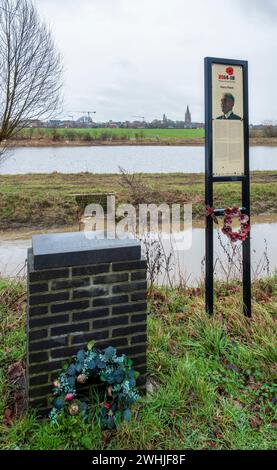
[(141, 57), (124, 64), (260, 9)]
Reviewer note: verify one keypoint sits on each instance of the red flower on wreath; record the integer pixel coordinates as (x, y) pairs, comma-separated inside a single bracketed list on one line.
[(69, 397), (227, 229), (244, 230), (209, 211), (230, 70), (228, 211)]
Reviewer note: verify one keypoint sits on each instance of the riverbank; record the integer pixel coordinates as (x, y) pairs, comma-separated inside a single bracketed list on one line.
[(49, 200), (186, 141), (210, 379), (57, 137)]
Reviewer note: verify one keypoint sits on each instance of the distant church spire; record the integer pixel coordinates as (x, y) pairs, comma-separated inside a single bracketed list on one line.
[(187, 117)]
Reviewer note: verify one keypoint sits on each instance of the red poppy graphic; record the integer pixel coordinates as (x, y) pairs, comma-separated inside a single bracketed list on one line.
[(230, 70)]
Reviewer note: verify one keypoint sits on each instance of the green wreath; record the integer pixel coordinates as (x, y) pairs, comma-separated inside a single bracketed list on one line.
[(116, 371)]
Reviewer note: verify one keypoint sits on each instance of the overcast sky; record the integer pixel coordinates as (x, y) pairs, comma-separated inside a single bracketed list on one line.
[(145, 57)]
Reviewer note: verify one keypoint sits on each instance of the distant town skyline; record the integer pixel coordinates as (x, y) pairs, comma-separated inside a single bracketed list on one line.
[(145, 57), (90, 116), (139, 122)]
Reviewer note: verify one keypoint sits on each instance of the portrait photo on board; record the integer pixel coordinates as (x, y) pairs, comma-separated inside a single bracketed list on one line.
[(227, 107)]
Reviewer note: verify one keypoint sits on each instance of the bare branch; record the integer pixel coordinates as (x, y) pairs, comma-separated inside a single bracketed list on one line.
[(30, 68)]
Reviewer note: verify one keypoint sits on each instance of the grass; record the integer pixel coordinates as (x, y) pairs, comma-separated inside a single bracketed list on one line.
[(46, 200), (213, 378), (109, 134), (164, 136)]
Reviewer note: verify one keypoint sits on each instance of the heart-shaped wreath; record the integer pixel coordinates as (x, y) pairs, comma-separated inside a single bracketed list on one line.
[(244, 229), (116, 371), (229, 214)]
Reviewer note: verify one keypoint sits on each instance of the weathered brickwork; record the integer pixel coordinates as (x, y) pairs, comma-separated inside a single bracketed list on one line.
[(69, 306)]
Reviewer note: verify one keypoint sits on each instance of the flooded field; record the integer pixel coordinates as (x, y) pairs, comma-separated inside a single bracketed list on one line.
[(186, 264)]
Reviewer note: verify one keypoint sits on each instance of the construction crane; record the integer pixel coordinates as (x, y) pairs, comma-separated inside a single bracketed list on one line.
[(141, 117), (88, 113)]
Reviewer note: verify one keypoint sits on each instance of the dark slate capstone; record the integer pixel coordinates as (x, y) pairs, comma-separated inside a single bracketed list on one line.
[(78, 248)]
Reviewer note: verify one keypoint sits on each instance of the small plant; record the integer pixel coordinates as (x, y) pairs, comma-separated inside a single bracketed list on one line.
[(116, 371), (87, 136), (55, 135), (70, 135)]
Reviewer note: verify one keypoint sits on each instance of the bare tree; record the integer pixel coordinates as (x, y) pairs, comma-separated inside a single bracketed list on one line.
[(30, 68)]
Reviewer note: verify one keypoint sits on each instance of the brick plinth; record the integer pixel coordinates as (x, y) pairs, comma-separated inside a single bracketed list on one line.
[(71, 305)]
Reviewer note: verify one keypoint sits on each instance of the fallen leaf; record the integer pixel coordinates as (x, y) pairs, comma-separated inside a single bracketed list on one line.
[(15, 371), (211, 444), (237, 404), (7, 420), (106, 437), (255, 422)]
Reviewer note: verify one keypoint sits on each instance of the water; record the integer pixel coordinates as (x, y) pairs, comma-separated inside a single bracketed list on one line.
[(134, 159), (13, 252)]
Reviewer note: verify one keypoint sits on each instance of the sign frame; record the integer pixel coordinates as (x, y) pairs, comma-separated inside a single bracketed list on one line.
[(210, 179)]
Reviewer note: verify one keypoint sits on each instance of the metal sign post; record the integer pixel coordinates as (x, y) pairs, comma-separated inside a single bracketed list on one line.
[(226, 154)]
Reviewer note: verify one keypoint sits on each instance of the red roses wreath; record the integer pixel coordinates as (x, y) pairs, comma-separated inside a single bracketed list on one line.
[(229, 214)]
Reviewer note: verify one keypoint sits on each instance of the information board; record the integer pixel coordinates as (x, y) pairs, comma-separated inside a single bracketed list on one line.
[(226, 158), (227, 120)]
